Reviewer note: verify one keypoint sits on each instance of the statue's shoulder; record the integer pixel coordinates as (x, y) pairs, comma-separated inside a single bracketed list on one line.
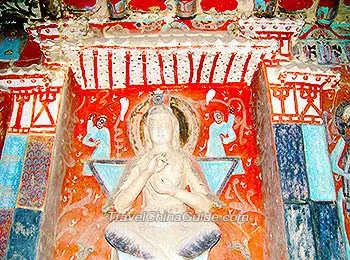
[(136, 160), (178, 153), (184, 156)]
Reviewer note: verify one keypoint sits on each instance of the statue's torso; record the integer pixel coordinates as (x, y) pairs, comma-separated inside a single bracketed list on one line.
[(173, 172)]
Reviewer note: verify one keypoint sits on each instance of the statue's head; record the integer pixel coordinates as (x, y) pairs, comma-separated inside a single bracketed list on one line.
[(218, 117), (162, 127), (101, 122)]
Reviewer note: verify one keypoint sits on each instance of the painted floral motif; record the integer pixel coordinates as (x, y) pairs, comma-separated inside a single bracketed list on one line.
[(5, 226), (32, 190)]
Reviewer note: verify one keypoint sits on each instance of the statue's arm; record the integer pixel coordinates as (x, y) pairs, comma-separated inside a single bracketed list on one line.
[(130, 189), (107, 141), (231, 135), (336, 157), (197, 198), (231, 120), (86, 141)]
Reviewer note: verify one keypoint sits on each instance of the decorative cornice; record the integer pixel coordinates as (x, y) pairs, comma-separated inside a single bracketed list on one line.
[(33, 76), (254, 27), (297, 91)]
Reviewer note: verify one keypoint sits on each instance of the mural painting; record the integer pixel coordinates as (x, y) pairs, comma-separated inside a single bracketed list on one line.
[(234, 187), (338, 135), (233, 112)]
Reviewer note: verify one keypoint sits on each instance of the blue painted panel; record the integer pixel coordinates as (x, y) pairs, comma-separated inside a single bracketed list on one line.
[(10, 49), (217, 172), (108, 175), (15, 145), (10, 169), (24, 235), (301, 243), (318, 165), (291, 162), (329, 241), (239, 167)]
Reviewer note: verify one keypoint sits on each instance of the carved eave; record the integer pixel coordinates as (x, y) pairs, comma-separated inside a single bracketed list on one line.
[(33, 76), (35, 90), (262, 27), (159, 59), (285, 31), (297, 92), (298, 73)]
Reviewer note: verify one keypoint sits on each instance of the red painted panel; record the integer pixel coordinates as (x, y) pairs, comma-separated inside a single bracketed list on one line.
[(146, 5), (291, 5), (30, 55), (220, 6), (86, 4), (5, 110)]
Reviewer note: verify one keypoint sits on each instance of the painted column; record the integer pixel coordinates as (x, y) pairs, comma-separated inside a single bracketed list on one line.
[(308, 190), (11, 165), (295, 191), (5, 110), (318, 164), (26, 160)]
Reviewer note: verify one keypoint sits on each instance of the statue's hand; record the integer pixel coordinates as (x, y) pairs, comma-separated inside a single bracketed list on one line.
[(232, 110), (222, 137), (92, 116), (162, 186), (157, 164)]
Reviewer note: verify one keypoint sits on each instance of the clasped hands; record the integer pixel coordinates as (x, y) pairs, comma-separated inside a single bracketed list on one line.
[(158, 183)]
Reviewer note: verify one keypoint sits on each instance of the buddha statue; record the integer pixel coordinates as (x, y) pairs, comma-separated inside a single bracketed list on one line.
[(170, 182)]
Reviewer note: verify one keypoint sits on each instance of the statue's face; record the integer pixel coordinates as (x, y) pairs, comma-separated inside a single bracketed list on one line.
[(218, 117), (160, 128), (101, 122)]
